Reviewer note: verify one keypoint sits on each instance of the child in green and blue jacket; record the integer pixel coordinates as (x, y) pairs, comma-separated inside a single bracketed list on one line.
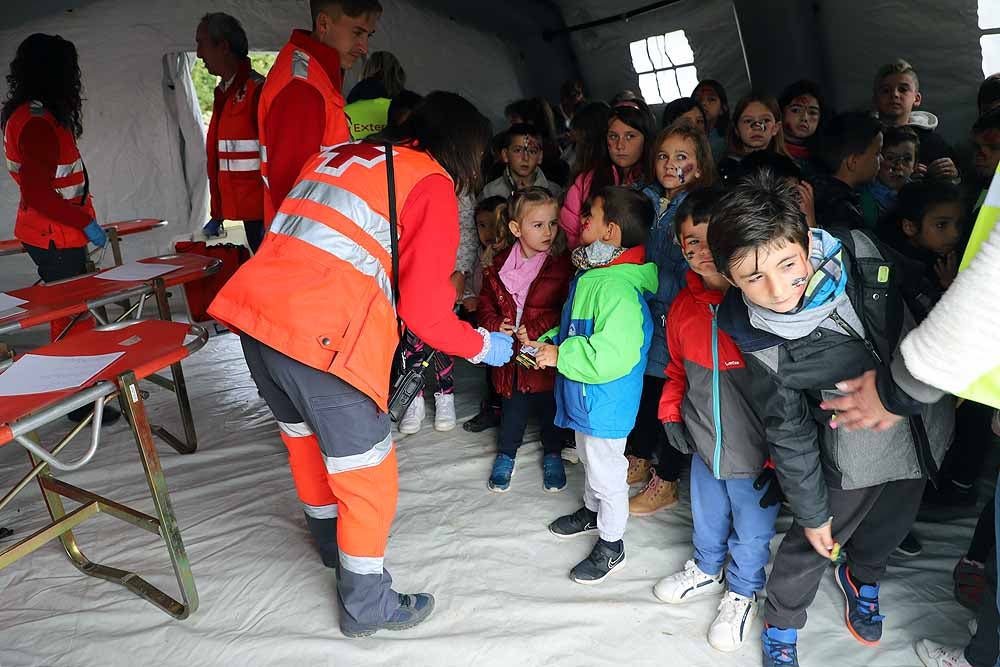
[(600, 350)]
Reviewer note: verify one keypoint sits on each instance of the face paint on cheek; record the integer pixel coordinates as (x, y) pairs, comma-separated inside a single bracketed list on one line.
[(680, 174), (799, 282)]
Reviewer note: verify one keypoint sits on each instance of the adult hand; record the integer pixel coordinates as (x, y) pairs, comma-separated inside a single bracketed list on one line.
[(212, 228), (946, 269), (942, 168), (861, 408), (547, 355), (501, 349), (458, 282), (773, 495), (821, 539), (677, 436), (95, 234)]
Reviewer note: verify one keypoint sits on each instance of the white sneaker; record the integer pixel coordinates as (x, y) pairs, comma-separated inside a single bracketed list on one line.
[(413, 417), (444, 412), (687, 584), (933, 654), (733, 623)]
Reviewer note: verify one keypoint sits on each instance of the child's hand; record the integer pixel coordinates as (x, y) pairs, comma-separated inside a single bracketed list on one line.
[(470, 303), (919, 171), (821, 539), (946, 269), (522, 335), (942, 168), (506, 327), (807, 202), (547, 356)]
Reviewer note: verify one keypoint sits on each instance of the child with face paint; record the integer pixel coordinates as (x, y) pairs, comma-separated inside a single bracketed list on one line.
[(524, 288), (599, 350), (900, 148), (795, 316), (732, 504), (522, 157), (801, 116), (624, 161), (756, 126), (711, 95), (681, 163)]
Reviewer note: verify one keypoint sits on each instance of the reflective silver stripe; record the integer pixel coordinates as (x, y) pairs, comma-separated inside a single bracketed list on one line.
[(330, 240), (263, 153), (300, 64), (298, 430), (64, 170), (369, 459), (349, 205), (321, 511), (245, 164), (71, 192), (239, 146), (360, 564), (13, 167), (264, 178)]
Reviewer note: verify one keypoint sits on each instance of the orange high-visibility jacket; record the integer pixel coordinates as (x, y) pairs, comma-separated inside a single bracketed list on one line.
[(320, 288), (70, 181), (234, 151), (294, 62)]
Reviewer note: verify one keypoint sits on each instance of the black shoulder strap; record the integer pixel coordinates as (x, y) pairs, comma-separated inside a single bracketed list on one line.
[(390, 176)]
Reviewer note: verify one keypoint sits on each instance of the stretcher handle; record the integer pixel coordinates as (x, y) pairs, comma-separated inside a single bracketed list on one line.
[(21, 428)]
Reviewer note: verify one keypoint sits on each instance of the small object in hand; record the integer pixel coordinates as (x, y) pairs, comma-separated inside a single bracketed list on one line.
[(835, 552), (527, 357), (5, 532)]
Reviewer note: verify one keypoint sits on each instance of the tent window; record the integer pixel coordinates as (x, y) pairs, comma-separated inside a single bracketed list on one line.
[(665, 65), (989, 23)]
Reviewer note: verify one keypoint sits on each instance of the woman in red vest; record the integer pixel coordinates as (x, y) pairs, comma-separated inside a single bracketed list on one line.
[(41, 119)]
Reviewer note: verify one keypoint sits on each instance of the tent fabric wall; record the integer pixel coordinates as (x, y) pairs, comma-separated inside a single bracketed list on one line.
[(603, 52), (140, 150)]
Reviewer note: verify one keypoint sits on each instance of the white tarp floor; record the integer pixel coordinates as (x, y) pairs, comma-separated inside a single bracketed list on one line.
[(500, 579)]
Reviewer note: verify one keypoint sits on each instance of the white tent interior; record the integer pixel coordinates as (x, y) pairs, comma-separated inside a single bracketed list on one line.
[(501, 582)]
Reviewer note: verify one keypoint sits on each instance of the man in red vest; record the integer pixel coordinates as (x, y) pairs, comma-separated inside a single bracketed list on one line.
[(237, 191), (301, 107)]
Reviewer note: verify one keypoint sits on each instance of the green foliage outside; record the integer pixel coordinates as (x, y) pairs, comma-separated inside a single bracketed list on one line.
[(205, 83)]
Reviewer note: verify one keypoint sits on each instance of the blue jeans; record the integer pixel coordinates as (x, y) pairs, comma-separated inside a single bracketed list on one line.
[(728, 519)]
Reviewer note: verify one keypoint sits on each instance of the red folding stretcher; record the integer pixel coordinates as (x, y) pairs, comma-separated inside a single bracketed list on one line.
[(76, 297), (147, 346), (114, 230)]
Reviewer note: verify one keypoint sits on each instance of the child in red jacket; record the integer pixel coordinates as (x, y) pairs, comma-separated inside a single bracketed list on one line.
[(523, 292)]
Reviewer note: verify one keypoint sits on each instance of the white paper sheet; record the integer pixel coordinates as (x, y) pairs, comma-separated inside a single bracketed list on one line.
[(36, 374), (137, 271), (7, 301)]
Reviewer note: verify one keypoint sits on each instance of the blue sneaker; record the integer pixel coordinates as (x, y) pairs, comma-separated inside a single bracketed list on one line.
[(861, 614), (413, 609), (779, 647), (553, 473), (503, 470)]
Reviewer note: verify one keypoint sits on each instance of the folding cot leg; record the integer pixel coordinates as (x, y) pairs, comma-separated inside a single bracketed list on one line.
[(179, 386), (132, 404)]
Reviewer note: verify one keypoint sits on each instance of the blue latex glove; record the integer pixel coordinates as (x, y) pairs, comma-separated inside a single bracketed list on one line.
[(212, 228), (95, 234), (501, 349)]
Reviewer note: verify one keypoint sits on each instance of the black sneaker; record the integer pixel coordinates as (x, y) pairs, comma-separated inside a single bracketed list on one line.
[(604, 558), (488, 417), (909, 547), (413, 610), (580, 522)]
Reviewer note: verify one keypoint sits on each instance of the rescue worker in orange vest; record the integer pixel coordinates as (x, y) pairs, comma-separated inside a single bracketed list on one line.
[(41, 121), (316, 317), (237, 191), (301, 106)]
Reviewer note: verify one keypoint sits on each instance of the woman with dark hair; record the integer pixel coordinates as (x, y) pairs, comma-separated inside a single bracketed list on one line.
[(711, 95), (41, 120), (686, 108), (317, 312), (629, 141)]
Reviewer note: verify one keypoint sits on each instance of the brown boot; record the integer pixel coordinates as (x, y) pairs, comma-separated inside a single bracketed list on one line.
[(658, 495), (638, 470)]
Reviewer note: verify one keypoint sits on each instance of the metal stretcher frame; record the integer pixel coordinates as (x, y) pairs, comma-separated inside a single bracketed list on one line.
[(114, 230), (115, 382), (138, 292)]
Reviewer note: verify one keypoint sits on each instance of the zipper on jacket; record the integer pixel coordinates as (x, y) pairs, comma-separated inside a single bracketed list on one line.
[(716, 403), (851, 332)]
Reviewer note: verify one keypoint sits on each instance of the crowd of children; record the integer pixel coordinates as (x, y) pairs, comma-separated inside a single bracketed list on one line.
[(694, 297)]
